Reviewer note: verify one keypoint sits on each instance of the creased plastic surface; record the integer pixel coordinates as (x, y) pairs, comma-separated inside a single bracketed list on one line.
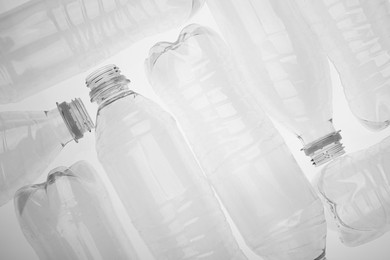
[(282, 61), (356, 189), (70, 217), (242, 154), (356, 37), (29, 142), (45, 42), (160, 183)]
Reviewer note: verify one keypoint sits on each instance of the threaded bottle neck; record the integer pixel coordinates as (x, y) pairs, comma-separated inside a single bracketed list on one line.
[(325, 149), (76, 118), (107, 85)]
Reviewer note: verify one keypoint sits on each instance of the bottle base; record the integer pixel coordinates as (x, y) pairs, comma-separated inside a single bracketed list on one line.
[(325, 149), (322, 256), (374, 126)]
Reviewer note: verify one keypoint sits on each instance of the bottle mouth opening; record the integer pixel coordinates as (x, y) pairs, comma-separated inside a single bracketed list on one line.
[(325, 149)]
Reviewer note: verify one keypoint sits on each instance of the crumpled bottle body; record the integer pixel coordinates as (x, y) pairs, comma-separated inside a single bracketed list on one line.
[(242, 154), (45, 42), (71, 217), (356, 189)]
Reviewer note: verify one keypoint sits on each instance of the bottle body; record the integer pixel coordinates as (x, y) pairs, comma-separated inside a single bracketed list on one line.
[(70, 217), (242, 154), (45, 42), (285, 69), (355, 35), (356, 190), (160, 183), (31, 140)]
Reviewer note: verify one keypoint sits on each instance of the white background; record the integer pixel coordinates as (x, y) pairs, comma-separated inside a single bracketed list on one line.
[(13, 245)]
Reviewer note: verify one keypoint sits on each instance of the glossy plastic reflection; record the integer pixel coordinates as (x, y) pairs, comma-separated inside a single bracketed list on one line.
[(70, 217), (242, 154), (45, 42), (356, 36), (356, 187), (156, 175), (285, 67), (31, 140)]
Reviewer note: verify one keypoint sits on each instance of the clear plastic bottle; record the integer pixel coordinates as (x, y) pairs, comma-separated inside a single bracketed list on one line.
[(156, 175), (356, 37), (44, 42), (70, 217), (356, 189), (287, 72), (244, 157), (30, 140)]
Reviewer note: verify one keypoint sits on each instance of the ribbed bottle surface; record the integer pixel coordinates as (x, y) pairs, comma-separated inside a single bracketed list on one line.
[(356, 189), (160, 182), (282, 62), (29, 142), (71, 36), (356, 36), (70, 217), (244, 157)]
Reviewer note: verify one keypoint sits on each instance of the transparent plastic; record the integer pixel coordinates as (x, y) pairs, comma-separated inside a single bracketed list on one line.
[(156, 175), (70, 217), (356, 37), (285, 68), (30, 140), (356, 189), (45, 42), (245, 159)]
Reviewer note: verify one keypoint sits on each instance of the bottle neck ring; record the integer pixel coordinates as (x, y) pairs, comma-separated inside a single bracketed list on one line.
[(325, 149), (76, 118)]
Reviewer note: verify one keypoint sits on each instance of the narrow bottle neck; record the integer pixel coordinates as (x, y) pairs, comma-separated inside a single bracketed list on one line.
[(325, 148), (107, 85), (75, 117), (59, 127)]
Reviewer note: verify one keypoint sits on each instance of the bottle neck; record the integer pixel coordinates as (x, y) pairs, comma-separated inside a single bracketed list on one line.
[(75, 117), (325, 148), (107, 85)]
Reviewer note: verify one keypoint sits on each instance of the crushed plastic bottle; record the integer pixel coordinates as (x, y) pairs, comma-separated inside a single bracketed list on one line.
[(70, 217), (156, 175), (244, 157), (31, 140), (356, 189), (286, 70), (355, 35), (45, 42)]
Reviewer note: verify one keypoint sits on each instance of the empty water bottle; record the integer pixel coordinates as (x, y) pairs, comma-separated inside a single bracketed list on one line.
[(70, 217), (45, 42), (156, 175), (356, 189), (355, 35), (288, 73), (257, 179), (30, 140)]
